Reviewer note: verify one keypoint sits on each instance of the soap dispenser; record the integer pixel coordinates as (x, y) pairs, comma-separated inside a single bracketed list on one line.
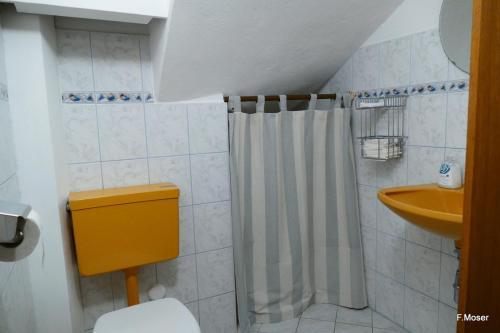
[(450, 175)]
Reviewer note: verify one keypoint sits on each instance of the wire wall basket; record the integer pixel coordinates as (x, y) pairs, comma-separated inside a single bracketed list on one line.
[(381, 125)]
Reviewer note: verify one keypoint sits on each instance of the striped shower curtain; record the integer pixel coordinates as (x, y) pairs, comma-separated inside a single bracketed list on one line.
[(296, 227)]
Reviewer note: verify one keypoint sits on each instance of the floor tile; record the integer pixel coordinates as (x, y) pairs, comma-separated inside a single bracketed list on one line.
[(315, 326), (346, 328), (357, 317), (288, 326), (326, 312)]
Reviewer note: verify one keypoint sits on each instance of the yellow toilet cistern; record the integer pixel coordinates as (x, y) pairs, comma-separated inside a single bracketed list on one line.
[(122, 229)]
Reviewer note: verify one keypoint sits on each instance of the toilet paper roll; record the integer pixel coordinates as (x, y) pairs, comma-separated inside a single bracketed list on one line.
[(32, 232)]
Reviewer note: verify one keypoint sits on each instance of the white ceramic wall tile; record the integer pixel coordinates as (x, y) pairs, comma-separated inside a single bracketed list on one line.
[(9, 189), (75, 62), (456, 120), (368, 205), (366, 68), (371, 279), (390, 299), (146, 278), (116, 62), (327, 312), (218, 314), (433, 136), (369, 238), (455, 73), (395, 62), (146, 65), (5, 270), (194, 309), (212, 226), (215, 272), (390, 256), (7, 155), (210, 177), (139, 143), (427, 120), (423, 164), (457, 155), (86, 176), (208, 126), (447, 322), (16, 301), (167, 129), (389, 222), (179, 278), (80, 128), (366, 170), (125, 173), (174, 169), (393, 172), (421, 312), (449, 267), (315, 326), (448, 246), (186, 231), (428, 61), (422, 269), (97, 297), (422, 237), (122, 131)]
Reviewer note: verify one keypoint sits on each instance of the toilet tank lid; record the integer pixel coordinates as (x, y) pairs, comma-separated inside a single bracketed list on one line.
[(122, 195)]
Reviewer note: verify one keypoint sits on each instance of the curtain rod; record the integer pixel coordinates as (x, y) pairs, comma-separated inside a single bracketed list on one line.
[(288, 97)]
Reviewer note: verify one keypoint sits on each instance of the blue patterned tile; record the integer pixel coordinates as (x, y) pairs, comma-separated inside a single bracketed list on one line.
[(119, 97), (148, 97), (71, 97)]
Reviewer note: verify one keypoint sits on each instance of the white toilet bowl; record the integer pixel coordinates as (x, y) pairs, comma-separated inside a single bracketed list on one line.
[(166, 315)]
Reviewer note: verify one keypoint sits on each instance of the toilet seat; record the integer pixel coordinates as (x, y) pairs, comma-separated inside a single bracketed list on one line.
[(166, 315)]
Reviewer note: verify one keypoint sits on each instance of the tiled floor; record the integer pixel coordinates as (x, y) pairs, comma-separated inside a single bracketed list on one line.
[(327, 318)]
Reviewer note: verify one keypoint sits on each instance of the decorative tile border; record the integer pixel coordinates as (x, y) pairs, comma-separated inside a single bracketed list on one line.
[(4, 94), (118, 97), (82, 98), (107, 97), (418, 89)]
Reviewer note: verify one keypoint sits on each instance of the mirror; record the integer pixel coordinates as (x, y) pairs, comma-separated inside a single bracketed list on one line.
[(455, 24)]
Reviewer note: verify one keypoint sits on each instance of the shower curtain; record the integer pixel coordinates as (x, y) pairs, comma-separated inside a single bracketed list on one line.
[(296, 227)]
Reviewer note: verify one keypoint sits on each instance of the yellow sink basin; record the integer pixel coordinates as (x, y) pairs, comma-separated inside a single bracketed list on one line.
[(430, 207)]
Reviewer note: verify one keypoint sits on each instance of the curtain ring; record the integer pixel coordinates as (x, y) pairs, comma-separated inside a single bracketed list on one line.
[(283, 103), (234, 103), (312, 102), (261, 101)]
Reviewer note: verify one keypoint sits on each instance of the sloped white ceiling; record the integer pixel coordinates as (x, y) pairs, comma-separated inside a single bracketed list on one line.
[(247, 47)]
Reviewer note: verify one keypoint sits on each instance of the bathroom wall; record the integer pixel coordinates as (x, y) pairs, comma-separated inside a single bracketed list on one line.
[(16, 302), (117, 135), (409, 271)]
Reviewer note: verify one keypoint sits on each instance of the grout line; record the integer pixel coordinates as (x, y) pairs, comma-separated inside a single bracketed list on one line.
[(192, 212), (96, 111), (409, 287), (149, 157), (144, 110), (8, 179)]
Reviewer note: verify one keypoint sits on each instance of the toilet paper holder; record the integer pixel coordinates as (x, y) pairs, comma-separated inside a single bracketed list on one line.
[(13, 217)]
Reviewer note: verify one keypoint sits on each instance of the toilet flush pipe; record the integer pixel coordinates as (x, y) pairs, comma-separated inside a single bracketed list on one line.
[(132, 285)]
